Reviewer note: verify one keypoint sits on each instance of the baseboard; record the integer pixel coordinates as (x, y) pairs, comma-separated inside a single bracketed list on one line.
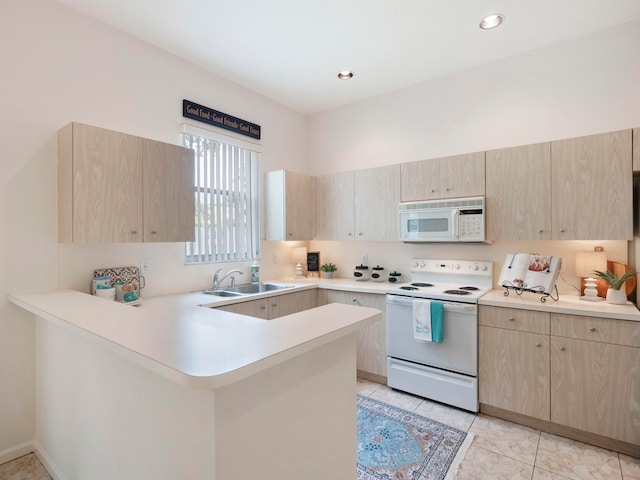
[(16, 452), (373, 377), (47, 462), (626, 448)]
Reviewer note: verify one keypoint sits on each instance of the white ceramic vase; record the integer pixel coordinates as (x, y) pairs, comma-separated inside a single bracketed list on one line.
[(616, 297)]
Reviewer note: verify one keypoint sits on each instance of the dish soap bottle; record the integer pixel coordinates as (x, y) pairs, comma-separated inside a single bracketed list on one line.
[(255, 272)]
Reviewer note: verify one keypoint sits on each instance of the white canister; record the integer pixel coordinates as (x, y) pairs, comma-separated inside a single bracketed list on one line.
[(395, 277), (377, 274), (361, 273), (108, 293)]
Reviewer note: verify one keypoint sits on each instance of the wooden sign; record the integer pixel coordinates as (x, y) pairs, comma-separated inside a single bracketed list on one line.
[(218, 119)]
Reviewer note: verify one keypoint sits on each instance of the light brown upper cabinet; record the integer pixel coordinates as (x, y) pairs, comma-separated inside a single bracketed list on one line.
[(592, 187), (114, 187), (636, 149), (290, 206), (361, 205), (518, 195), (447, 177)]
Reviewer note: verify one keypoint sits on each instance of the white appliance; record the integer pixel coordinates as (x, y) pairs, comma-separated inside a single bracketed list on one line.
[(446, 372), (453, 220)]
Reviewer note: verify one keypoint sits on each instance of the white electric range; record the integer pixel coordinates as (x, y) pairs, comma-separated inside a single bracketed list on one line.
[(448, 371)]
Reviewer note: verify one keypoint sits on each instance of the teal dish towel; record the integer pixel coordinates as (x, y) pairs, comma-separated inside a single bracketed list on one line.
[(437, 321)]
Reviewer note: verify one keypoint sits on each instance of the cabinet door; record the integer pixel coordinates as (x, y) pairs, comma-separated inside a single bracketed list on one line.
[(420, 180), (300, 207), (519, 193), (107, 183), (462, 175), (592, 187), (514, 371), (253, 308), (168, 192), (371, 340), (335, 206), (595, 387), (377, 195), (281, 305)]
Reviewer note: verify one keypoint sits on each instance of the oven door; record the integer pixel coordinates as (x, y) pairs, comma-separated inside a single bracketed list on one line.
[(429, 225), (458, 351)]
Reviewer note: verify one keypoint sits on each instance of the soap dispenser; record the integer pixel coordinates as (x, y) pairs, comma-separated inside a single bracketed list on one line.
[(255, 272)]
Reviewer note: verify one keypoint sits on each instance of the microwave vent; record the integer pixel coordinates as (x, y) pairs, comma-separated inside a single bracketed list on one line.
[(449, 203)]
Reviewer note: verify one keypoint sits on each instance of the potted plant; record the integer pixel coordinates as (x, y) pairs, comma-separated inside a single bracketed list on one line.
[(328, 269), (614, 294)]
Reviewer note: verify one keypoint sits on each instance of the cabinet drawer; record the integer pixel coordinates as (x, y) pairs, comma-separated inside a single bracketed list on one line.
[(514, 319), (606, 330)]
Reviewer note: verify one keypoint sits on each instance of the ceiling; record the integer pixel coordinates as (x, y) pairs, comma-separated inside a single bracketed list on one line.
[(292, 50)]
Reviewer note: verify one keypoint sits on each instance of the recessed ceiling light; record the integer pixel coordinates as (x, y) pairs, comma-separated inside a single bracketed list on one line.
[(345, 75), (492, 21)]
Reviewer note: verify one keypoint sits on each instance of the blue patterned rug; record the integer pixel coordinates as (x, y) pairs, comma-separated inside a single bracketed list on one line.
[(395, 444)]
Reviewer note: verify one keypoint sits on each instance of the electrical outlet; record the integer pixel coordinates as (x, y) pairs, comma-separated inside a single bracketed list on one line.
[(145, 266)]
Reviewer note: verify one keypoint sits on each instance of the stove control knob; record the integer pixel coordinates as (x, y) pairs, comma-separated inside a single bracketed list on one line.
[(457, 266), (484, 268), (415, 263), (423, 264), (475, 266)]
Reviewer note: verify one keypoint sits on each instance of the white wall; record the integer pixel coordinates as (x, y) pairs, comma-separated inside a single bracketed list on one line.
[(579, 87), (60, 66)]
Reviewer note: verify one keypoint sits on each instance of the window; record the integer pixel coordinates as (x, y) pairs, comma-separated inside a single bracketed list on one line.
[(226, 195)]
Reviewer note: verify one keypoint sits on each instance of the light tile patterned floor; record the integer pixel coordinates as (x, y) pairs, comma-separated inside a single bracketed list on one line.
[(500, 449), (505, 450)]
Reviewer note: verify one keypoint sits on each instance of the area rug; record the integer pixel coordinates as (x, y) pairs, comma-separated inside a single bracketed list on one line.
[(396, 444)]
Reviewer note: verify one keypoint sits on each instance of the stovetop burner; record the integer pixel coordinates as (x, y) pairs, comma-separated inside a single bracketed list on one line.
[(470, 289), (421, 284), (408, 287), (457, 292)]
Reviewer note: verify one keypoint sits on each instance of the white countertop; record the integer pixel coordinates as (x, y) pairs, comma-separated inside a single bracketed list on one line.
[(175, 336), (570, 304)]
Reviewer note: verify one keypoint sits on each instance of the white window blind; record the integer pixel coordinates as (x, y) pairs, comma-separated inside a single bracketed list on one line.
[(226, 195)]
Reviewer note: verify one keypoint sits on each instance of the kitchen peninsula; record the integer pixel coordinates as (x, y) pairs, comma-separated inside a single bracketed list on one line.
[(172, 389)]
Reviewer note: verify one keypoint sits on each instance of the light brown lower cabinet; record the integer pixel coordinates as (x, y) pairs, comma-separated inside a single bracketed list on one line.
[(371, 340), (580, 380), (276, 306)]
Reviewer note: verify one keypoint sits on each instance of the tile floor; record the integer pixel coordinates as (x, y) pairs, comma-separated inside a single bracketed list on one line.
[(500, 449), (505, 450)]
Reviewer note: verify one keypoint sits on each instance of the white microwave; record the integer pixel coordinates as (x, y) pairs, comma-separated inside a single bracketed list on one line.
[(451, 220)]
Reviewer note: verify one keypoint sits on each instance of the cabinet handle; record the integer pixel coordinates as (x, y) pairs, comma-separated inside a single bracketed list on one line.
[(274, 305), (540, 231), (354, 300), (511, 319), (360, 234), (562, 230), (153, 232), (290, 234), (538, 345), (433, 190), (134, 232), (562, 349), (592, 329), (447, 189), (263, 307), (349, 234)]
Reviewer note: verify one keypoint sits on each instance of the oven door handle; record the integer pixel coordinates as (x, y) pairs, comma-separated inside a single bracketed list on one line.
[(461, 307)]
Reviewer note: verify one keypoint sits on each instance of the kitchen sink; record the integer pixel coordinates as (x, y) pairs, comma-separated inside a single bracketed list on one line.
[(252, 288), (246, 289)]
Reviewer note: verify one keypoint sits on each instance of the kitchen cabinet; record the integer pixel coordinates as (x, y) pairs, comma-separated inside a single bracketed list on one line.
[(447, 177), (361, 205), (572, 375), (168, 203), (636, 149), (275, 306), (290, 206), (518, 193), (592, 189), (371, 347), (114, 187), (595, 379), (514, 360), (335, 214)]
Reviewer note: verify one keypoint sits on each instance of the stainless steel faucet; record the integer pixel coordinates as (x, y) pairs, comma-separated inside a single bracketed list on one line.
[(217, 280)]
